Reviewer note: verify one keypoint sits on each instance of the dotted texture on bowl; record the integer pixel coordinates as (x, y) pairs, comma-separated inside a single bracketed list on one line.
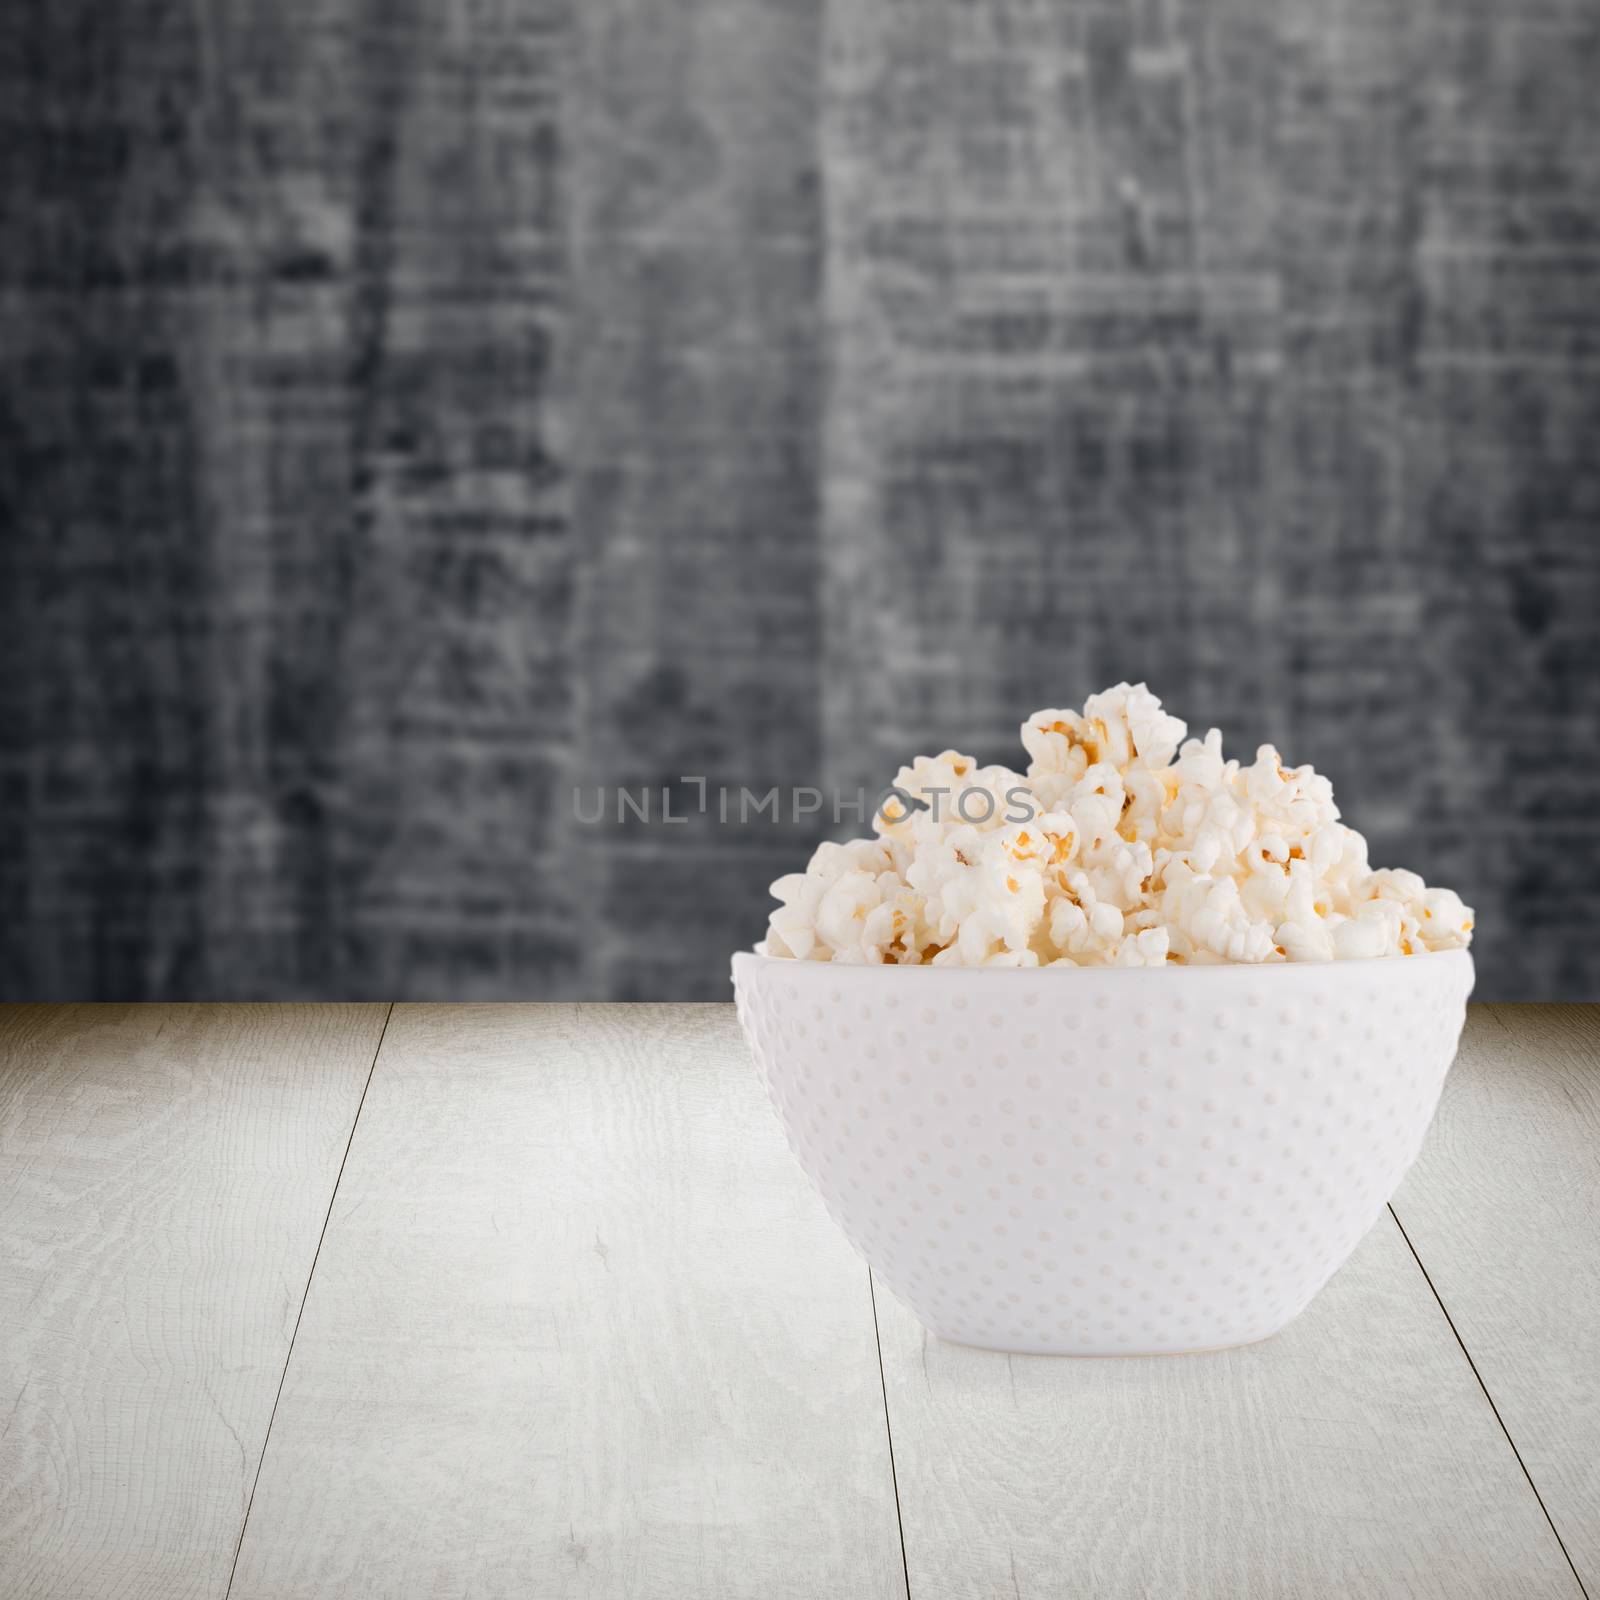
[(1097, 1162)]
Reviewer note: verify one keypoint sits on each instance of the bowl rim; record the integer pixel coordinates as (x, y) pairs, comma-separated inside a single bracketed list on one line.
[(1168, 973)]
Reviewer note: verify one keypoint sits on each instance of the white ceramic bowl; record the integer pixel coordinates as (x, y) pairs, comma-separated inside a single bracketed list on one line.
[(1099, 1161)]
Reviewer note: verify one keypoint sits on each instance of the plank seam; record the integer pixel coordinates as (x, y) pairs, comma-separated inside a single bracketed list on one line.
[(888, 1432), (316, 1255), (1576, 1576)]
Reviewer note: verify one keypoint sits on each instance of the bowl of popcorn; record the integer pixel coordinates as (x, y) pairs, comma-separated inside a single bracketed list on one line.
[(1121, 1054)]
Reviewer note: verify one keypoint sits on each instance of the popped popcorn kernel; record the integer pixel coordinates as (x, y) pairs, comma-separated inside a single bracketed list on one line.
[(1124, 843)]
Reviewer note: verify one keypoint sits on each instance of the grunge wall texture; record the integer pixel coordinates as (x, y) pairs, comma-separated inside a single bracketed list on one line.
[(412, 410)]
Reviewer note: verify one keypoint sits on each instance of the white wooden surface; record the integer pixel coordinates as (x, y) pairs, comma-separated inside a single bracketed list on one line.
[(578, 1328), (1504, 1209), (1353, 1454), (164, 1175)]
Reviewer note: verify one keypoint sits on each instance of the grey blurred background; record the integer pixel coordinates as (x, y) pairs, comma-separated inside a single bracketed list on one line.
[(413, 411)]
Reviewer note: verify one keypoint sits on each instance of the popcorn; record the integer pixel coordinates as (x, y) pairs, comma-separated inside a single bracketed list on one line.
[(1123, 844)]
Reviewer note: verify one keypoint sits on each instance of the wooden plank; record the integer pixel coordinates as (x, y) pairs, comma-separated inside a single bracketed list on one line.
[(698, 362), (578, 1327), (324, 374), (1504, 1209), (287, 674), (1352, 1454), (413, 411), (164, 1176), (1177, 342)]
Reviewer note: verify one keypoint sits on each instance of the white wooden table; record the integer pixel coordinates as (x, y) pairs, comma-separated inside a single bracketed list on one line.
[(531, 1301)]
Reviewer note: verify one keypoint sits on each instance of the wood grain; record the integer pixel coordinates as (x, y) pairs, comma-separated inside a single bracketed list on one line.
[(1209, 343), (1504, 1209), (1352, 1454), (164, 1176), (417, 410), (578, 1328), (698, 362), (292, 537)]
